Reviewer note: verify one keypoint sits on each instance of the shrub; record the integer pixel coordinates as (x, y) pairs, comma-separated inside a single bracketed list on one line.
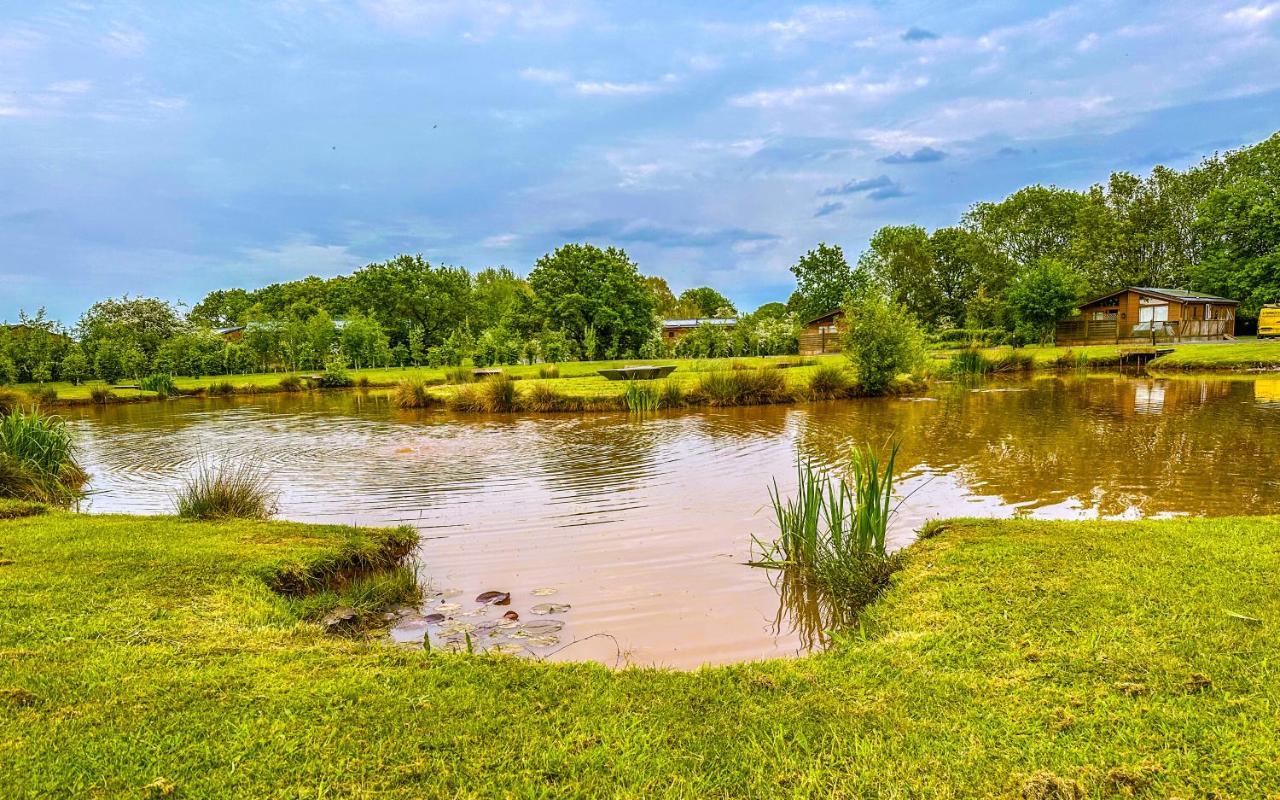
[(101, 395), (290, 383), (239, 492), (883, 341), (828, 382), (742, 387), (498, 393), (335, 373), (548, 371), (38, 459), (413, 394)]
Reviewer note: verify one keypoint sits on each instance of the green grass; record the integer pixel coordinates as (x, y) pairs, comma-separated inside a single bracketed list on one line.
[(1128, 657), (38, 459), (1240, 355), (226, 492)]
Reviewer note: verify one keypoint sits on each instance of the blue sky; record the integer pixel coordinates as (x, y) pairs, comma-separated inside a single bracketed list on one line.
[(169, 149)]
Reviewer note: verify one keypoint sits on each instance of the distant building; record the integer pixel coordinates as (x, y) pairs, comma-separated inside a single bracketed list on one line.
[(674, 329), (232, 334), (822, 333), (1141, 313)]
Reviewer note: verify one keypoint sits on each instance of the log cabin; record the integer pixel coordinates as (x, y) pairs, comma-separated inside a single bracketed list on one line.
[(822, 334), (1144, 314)]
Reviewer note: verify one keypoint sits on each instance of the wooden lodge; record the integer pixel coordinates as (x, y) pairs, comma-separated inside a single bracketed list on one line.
[(673, 330), (1142, 315), (822, 334)]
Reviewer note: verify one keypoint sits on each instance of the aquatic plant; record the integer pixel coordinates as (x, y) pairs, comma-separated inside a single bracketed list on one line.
[(38, 459), (970, 362), (161, 383), (290, 383), (548, 371), (459, 375), (220, 389), (101, 394), (1013, 361), (413, 394), (498, 393), (242, 491), (828, 382), (742, 387), (671, 395), (833, 531), (641, 397)]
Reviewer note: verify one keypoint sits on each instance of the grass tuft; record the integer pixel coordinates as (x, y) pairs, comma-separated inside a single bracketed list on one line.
[(829, 382), (741, 387), (227, 492), (413, 394), (38, 459), (549, 371), (11, 400), (101, 394), (220, 389)]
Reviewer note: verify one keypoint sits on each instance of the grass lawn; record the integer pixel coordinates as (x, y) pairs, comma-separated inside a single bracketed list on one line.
[(1241, 354), (577, 378), (1133, 658)]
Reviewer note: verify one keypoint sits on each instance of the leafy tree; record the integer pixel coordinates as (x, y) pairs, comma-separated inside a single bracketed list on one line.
[(883, 340), (364, 341), (773, 310), (495, 296), (74, 367), (1032, 223), (960, 258), (704, 301), (408, 292), (1041, 295), (900, 258), (8, 370), (706, 341), (1241, 225), (824, 280), (596, 297), (142, 323), (223, 308), (664, 301)]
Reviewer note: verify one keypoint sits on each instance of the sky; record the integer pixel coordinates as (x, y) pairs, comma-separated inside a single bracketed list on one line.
[(169, 149)]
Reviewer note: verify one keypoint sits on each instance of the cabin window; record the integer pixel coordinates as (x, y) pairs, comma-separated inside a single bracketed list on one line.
[(1154, 313), (1208, 311), (827, 329)]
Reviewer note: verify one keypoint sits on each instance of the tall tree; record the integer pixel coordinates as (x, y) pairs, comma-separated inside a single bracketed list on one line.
[(900, 258), (704, 301), (596, 297), (824, 280)]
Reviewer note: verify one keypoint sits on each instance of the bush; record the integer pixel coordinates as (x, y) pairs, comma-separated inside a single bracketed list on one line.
[(44, 395), (290, 383), (241, 492), (883, 341), (970, 337), (38, 459), (413, 394), (101, 395), (828, 382), (742, 387), (335, 373)]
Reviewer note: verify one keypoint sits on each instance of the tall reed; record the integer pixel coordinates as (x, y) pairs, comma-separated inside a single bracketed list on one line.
[(742, 387), (38, 459), (242, 491), (413, 394), (641, 397), (833, 531)]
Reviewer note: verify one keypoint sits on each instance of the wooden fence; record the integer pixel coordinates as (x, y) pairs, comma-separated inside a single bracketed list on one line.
[(813, 343), (1085, 331)]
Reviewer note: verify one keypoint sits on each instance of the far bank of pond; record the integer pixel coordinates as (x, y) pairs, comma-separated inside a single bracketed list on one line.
[(642, 526)]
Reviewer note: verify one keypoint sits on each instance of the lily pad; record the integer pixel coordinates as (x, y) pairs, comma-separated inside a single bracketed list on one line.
[(507, 648), (448, 608), (511, 615), (495, 598), (433, 618), (544, 591), (550, 608), (542, 627), (543, 641)]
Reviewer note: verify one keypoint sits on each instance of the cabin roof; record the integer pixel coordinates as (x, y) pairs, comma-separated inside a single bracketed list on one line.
[(693, 323), (225, 331), (830, 313), (1180, 295)]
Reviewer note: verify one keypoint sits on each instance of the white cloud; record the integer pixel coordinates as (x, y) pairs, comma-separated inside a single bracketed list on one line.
[(609, 88), (853, 87), (124, 42), (1086, 44), (71, 87), (501, 240), (539, 75), (481, 18), (1252, 16)]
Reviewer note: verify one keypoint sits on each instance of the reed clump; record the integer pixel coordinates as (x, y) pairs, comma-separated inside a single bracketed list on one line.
[(833, 532), (413, 394), (241, 491), (542, 397), (220, 389), (101, 395), (671, 395), (641, 397), (549, 371), (459, 375), (496, 394), (829, 382), (742, 387), (11, 400), (38, 459), (290, 383), (970, 362)]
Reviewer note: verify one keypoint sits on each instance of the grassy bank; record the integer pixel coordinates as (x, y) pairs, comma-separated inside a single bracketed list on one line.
[(1246, 354), (1132, 658)]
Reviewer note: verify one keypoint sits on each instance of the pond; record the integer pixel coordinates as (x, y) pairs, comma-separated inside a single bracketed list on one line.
[(642, 526)]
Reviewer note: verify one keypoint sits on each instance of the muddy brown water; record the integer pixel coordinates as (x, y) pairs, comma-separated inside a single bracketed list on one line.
[(642, 526)]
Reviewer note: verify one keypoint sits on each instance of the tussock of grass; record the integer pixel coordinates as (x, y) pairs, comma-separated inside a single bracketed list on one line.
[(101, 395), (240, 491), (543, 398), (549, 371), (16, 509), (829, 382), (290, 383), (742, 387), (414, 394), (38, 459), (11, 400), (220, 389)]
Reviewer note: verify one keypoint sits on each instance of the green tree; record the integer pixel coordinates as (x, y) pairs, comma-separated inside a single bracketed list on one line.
[(704, 301), (364, 341), (824, 280), (408, 292), (1041, 295), (74, 367), (594, 294), (960, 259), (883, 340), (139, 322), (223, 308), (664, 300), (1240, 224), (900, 259)]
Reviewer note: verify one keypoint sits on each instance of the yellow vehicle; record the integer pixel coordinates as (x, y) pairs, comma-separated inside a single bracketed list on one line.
[(1269, 322)]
